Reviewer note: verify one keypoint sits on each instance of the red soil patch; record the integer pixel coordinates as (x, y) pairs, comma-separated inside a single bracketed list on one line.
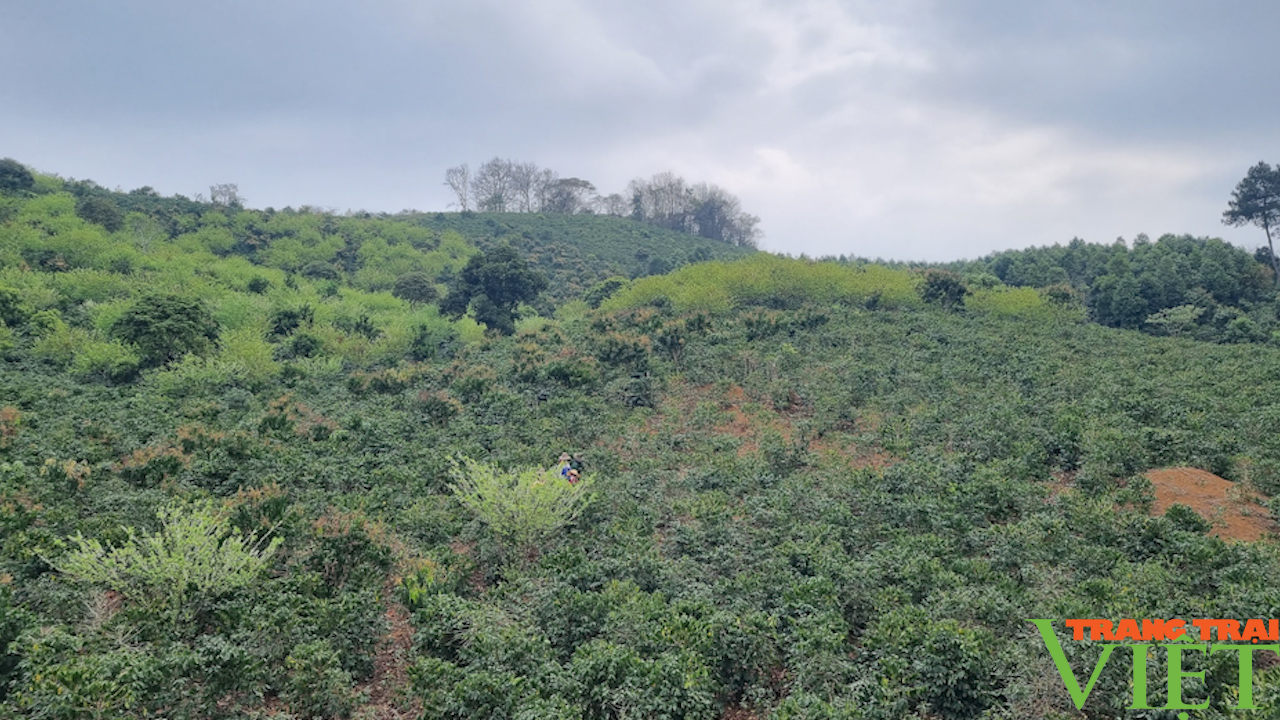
[(749, 426), (856, 456), (1235, 513)]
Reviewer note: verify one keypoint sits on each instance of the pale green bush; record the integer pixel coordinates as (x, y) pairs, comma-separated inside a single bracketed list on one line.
[(523, 507), (195, 554)]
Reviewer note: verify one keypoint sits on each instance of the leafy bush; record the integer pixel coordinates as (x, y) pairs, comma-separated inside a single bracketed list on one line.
[(944, 288), (195, 554), (15, 177), (523, 507), (1184, 518), (317, 686)]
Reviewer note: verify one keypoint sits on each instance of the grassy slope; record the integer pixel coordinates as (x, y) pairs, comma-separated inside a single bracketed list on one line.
[(813, 499), (815, 495)]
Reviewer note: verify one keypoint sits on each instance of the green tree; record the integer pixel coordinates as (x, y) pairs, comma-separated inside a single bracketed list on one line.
[(416, 287), (943, 287), (1256, 201), (492, 284), (166, 327), (522, 507), (14, 176), (100, 210), (603, 290)]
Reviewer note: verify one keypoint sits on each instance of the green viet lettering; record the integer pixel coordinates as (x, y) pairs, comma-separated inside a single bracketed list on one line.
[(1051, 643)]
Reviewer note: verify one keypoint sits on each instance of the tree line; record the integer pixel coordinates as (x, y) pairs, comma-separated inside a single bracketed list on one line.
[(665, 199)]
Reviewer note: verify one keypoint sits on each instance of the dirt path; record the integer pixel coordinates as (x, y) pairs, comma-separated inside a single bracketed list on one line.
[(389, 696)]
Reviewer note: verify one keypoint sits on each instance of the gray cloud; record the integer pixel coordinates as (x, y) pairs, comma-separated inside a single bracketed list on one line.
[(917, 129)]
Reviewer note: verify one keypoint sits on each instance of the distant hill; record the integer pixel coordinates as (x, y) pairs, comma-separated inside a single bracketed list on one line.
[(574, 251)]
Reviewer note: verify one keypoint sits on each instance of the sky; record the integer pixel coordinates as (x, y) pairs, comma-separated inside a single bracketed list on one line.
[(900, 129)]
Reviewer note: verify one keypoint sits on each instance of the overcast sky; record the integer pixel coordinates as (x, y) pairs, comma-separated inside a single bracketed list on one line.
[(904, 129)]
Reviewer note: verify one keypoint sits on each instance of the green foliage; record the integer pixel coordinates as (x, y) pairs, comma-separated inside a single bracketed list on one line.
[(317, 686), (101, 211), (166, 327), (12, 310), (416, 287), (524, 507), (15, 177), (1153, 286), (1012, 302), (195, 554), (944, 288), (1184, 518), (603, 290), (493, 284), (770, 281)]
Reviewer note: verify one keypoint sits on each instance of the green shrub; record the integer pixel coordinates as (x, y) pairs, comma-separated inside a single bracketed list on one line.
[(1184, 518), (941, 287), (15, 177), (770, 281), (1011, 302), (195, 554), (523, 507), (317, 686)]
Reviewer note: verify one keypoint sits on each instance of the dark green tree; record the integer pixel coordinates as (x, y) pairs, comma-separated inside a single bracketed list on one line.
[(1256, 201), (416, 287), (166, 327), (100, 210), (14, 176), (492, 284), (943, 287), (602, 290)]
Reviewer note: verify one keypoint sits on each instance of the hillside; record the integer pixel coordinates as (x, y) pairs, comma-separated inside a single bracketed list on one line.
[(576, 251), (363, 250), (807, 491)]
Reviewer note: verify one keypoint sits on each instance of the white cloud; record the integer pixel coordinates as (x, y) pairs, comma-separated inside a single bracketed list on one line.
[(915, 129)]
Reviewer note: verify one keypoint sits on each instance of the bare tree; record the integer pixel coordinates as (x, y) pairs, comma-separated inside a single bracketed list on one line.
[(526, 180), (545, 188), (492, 186), (571, 196), (612, 204), (226, 195), (662, 200), (717, 215), (459, 181)]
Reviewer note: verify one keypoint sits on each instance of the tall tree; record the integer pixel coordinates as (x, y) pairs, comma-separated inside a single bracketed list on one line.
[(459, 181), (492, 186), (526, 186), (570, 196), (492, 284), (1256, 201)]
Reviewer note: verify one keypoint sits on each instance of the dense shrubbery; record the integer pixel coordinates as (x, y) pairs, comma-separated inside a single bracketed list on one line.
[(772, 282), (812, 493)]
